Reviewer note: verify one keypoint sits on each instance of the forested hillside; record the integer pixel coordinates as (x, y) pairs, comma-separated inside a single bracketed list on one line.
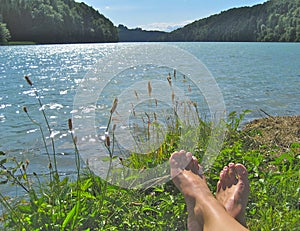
[(55, 21), (138, 35), (67, 21), (275, 20)]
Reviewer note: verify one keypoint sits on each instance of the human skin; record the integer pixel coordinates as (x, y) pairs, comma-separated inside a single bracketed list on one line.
[(205, 211)]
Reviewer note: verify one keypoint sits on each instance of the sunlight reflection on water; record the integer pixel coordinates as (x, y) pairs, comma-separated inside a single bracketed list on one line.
[(251, 76)]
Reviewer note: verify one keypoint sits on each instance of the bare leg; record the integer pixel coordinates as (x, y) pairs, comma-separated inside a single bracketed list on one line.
[(233, 190), (210, 214), (193, 224)]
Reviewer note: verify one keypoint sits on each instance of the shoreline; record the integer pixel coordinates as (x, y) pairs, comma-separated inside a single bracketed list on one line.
[(273, 131)]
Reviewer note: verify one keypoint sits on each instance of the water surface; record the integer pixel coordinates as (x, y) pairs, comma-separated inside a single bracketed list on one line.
[(255, 76)]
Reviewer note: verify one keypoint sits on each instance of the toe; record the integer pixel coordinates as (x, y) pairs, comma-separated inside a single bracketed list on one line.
[(196, 166), (192, 165), (232, 174), (242, 175), (219, 185), (241, 172), (180, 159), (226, 180), (188, 154)]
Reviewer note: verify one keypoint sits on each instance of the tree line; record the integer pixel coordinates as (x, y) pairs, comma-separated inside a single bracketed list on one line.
[(138, 35), (273, 21), (53, 21), (67, 21)]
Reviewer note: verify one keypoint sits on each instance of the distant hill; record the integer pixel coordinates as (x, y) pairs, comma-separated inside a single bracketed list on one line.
[(275, 20), (54, 21), (67, 21), (138, 35)]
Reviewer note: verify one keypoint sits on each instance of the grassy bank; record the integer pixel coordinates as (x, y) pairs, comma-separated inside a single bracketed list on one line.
[(90, 203), (15, 43)]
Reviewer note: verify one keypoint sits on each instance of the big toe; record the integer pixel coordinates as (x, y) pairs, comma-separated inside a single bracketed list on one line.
[(241, 172), (242, 176), (179, 161)]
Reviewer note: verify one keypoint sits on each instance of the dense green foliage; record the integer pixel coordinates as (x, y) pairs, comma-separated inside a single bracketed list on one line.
[(67, 21), (275, 20), (138, 35), (4, 33), (55, 21)]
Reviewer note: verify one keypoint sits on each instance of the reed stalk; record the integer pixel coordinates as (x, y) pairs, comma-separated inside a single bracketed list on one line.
[(56, 176)]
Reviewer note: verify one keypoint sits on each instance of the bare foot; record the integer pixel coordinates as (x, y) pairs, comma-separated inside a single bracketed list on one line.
[(233, 191), (205, 212), (192, 219), (185, 172)]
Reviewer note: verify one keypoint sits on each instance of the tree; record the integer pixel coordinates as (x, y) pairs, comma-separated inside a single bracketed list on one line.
[(4, 32)]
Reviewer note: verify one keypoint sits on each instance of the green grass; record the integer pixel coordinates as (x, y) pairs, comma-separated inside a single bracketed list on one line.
[(90, 203), (13, 43)]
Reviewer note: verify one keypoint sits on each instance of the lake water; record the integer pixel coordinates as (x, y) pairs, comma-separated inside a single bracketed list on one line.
[(254, 76)]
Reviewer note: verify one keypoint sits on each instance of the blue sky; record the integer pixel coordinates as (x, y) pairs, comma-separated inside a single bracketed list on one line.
[(162, 14)]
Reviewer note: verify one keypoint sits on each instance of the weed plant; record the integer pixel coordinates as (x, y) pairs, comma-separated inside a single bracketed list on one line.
[(90, 203)]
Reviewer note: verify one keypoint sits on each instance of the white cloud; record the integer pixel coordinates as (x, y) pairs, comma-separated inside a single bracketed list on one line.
[(165, 26)]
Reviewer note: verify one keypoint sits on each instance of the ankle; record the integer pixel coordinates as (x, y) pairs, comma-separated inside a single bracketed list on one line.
[(204, 204)]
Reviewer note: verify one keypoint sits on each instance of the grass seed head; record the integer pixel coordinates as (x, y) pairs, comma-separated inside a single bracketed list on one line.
[(169, 80), (25, 109), (70, 124), (107, 141), (23, 167), (149, 88), (136, 95), (114, 106), (28, 80)]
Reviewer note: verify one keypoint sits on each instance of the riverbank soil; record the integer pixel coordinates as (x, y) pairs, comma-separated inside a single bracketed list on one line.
[(279, 131)]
